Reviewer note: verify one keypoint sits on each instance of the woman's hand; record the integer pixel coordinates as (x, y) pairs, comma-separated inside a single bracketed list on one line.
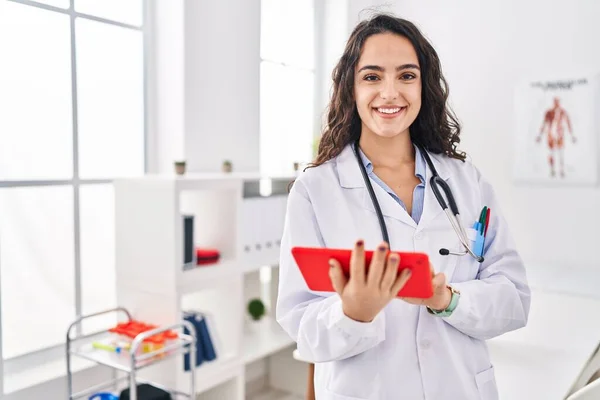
[(441, 294), (364, 294)]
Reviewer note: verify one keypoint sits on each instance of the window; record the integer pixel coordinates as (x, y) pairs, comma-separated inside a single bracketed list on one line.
[(287, 76), (72, 118)]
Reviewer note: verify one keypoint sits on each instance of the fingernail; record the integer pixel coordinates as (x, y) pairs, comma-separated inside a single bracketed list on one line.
[(381, 248), (394, 258), (331, 264), (359, 243)]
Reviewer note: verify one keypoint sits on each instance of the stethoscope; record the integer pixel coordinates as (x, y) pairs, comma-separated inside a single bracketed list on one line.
[(436, 183)]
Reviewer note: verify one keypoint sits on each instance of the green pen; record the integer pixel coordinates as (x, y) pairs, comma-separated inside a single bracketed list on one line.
[(482, 216)]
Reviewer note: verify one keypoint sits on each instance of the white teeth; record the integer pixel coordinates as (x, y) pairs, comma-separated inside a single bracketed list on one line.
[(389, 110)]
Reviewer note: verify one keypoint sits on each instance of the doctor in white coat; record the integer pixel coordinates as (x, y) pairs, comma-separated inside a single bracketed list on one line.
[(389, 96)]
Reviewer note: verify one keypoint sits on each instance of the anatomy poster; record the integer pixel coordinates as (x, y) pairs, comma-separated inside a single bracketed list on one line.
[(556, 132)]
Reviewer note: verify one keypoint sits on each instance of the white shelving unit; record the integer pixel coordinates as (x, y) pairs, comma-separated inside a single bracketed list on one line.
[(241, 215)]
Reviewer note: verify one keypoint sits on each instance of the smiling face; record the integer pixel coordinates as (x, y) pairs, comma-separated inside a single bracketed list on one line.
[(387, 85)]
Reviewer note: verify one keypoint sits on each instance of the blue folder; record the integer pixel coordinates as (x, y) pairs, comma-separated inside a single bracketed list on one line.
[(205, 350)]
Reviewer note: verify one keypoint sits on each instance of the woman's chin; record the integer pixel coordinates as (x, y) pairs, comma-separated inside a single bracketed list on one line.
[(385, 131), (389, 133)]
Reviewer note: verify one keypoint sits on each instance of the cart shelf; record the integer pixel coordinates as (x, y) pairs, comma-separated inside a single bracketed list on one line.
[(132, 360), (122, 361)]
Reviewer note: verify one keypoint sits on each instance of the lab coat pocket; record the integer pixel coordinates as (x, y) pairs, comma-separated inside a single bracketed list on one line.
[(486, 384), (355, 378), (467, 267)]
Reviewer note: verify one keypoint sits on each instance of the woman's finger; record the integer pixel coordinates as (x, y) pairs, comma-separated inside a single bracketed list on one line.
[(357, 262), (391, 272), (377, 266), (401, 280), (337, 276)]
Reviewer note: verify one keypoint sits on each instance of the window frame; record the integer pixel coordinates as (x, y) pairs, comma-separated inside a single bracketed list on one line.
[(21, 363)]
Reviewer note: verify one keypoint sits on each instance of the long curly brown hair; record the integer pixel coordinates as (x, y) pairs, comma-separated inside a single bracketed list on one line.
[(435, 128)]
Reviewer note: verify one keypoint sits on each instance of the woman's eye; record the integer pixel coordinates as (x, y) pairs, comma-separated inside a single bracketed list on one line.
[(408, 77), (371, 78)]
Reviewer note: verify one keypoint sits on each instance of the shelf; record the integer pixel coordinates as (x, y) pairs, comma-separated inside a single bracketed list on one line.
[(204, 181), (212, 176), (213, 182), (264, 338), (229, 213), (204, 276)]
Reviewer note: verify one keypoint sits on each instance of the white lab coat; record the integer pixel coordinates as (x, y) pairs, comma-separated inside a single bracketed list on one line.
[(405, 352)]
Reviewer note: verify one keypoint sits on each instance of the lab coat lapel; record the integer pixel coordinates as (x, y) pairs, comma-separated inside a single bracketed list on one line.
[(431, 207), (389, 207), (350, 177)]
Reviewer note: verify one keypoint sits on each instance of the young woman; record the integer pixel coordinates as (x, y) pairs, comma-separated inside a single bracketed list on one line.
[(389, 132)]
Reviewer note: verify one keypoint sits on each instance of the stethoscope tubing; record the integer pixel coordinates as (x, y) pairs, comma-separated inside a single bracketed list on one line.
[(450, 208)]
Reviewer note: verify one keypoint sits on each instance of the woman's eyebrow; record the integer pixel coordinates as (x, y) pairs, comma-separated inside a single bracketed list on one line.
[(381, 69)]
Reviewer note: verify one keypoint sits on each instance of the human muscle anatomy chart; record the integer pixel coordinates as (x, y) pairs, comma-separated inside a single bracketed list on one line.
[(556, 132), (553, 127)]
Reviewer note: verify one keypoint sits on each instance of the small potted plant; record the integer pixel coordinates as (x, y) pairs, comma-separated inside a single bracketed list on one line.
[(256, 309), (180, 167), (227, 166)]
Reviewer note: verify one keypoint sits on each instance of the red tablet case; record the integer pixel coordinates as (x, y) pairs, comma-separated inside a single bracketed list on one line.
[(314, 266)]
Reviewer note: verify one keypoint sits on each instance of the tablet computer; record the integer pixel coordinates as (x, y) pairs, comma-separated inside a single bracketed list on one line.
[(314, 266)]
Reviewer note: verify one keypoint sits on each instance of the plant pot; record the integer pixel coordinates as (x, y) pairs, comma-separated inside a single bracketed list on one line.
[(180, 167)]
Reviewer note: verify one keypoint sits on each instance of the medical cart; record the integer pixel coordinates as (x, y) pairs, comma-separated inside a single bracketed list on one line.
[(131, 360)]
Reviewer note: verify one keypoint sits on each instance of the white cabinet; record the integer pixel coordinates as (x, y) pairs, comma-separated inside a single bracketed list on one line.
[(153, 284)]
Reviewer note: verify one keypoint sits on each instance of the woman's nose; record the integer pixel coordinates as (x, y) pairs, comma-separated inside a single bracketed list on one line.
[(389, 90)]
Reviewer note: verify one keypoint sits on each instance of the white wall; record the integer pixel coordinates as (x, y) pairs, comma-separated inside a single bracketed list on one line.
[(166, 89), (205, 88), (222, 69), (485, 47), (331, 36)]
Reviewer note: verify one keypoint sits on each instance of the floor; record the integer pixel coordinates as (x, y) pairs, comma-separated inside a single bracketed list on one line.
[(273, 394)]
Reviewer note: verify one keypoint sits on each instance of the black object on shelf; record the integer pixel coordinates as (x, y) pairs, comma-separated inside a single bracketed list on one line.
[(147, 392), (189, 250)]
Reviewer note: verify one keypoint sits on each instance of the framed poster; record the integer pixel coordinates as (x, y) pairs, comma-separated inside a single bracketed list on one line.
[(556, 133)]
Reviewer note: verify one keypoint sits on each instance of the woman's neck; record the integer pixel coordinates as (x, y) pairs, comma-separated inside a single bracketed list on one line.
[(392, 153)]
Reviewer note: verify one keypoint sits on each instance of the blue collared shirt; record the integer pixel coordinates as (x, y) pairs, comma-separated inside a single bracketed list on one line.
[(418, 192)]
